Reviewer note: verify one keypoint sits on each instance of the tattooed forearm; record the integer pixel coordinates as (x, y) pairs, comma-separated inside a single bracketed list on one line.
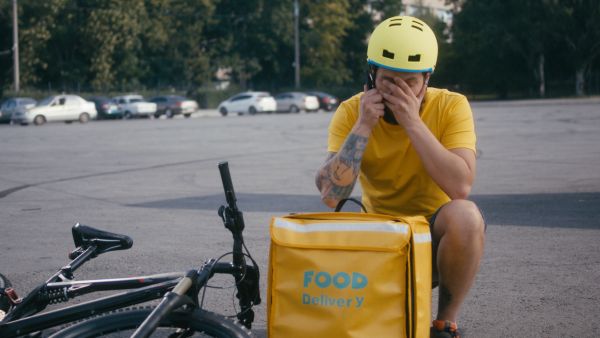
[(337, 177), (350, 157)]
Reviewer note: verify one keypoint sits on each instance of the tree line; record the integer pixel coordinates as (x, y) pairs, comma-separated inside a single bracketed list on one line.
[(498, 48)]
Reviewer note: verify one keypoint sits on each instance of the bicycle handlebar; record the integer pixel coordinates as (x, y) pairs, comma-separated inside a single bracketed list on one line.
[(227, 185), (247, 276), (232, 217)]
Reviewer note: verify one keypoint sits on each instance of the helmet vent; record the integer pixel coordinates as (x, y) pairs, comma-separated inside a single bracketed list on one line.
[(417, 27), (414, 58), (395, 22), (388, 54)]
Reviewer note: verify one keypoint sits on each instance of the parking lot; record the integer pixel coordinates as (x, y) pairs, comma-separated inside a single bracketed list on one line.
[(538, 184)]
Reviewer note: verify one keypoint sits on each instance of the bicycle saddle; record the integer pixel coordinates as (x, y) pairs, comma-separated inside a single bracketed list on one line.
[(84, 236)]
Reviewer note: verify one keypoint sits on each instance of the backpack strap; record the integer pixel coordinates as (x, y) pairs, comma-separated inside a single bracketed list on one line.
[(421, 276), (343, 201)]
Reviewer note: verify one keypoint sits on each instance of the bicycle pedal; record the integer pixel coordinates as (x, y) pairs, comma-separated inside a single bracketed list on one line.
[(12, 296)]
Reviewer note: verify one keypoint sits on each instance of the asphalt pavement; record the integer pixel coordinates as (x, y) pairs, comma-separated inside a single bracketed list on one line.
[(538, 184)]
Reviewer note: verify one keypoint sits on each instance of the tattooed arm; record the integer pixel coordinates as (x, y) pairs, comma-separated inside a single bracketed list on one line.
[(337, 176)]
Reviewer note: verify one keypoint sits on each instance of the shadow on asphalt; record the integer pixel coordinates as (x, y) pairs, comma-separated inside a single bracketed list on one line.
[(563, 210)]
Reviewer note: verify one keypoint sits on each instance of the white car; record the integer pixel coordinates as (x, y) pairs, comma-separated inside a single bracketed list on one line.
[(248, 103), (294, 102), (134, 106), (65, 108)]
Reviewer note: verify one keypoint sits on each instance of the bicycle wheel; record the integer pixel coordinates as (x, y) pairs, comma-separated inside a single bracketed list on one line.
[(122, 323)]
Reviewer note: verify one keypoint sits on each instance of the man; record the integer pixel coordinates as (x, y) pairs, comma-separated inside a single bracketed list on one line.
[(413, 148)]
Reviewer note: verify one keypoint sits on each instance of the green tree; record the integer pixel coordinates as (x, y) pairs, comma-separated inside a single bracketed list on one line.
[(576, 23), (6, 43), (112, 35), (110, 44), (488, 55), (238, 38), (325, 26), (37, 22), (277, 45), (332, 33), (175, 49), (508, 44), (354, 43), (67, 60)]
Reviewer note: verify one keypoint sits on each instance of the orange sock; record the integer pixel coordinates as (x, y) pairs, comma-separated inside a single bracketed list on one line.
[(445, 325)]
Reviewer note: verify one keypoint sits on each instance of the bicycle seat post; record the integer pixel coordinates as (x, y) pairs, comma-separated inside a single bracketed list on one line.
[(67, 270)]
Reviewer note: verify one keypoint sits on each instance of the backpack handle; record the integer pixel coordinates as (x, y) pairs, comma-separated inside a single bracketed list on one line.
[(343, 201)]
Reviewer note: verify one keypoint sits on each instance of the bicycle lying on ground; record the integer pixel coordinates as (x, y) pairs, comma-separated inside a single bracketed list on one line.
[(179, 312)]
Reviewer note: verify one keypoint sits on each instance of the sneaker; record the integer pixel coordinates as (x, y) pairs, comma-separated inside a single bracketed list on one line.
[(444, 329)]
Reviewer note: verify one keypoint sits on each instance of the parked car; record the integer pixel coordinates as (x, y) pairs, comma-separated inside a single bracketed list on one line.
[(13, 105), (327, 102), (105, 107), (134, 106), (248, 102), (171, 105), (294, 102), (67, 108)]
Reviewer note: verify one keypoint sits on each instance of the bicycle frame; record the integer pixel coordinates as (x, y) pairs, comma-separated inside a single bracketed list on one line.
[(25, 316), (50, 319), (147, 288)]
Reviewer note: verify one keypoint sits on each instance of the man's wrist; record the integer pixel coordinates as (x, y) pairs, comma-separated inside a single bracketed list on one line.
[(414, 126), (362, 130)]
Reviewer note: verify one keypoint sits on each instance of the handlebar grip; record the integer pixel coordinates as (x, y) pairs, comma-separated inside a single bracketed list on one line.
[(227, 184)]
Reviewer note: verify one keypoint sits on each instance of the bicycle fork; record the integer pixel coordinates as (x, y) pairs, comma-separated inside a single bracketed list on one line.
[(172, 300)]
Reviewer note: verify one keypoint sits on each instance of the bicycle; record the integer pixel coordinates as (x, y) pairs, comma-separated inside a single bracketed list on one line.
[(180, 307)]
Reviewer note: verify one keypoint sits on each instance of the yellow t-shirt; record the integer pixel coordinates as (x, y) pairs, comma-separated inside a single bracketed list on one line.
[(393, 178)]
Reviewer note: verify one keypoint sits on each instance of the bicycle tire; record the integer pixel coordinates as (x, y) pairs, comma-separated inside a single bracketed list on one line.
[(115, 322)]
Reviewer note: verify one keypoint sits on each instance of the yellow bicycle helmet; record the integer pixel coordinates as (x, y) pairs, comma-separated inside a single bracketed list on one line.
[(403, 44)]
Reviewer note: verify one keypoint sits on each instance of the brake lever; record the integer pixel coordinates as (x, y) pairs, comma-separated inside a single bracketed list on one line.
[(221, 213)]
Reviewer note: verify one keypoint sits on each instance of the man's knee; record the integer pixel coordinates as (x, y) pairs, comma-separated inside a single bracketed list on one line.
[(461, 217)]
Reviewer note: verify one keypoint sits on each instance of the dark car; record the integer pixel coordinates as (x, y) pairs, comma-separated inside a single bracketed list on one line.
[(327, 102), (106, 108), (171, 105), (13, 105)]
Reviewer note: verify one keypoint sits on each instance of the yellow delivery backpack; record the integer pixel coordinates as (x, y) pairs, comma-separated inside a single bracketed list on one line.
[(345, 274)]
